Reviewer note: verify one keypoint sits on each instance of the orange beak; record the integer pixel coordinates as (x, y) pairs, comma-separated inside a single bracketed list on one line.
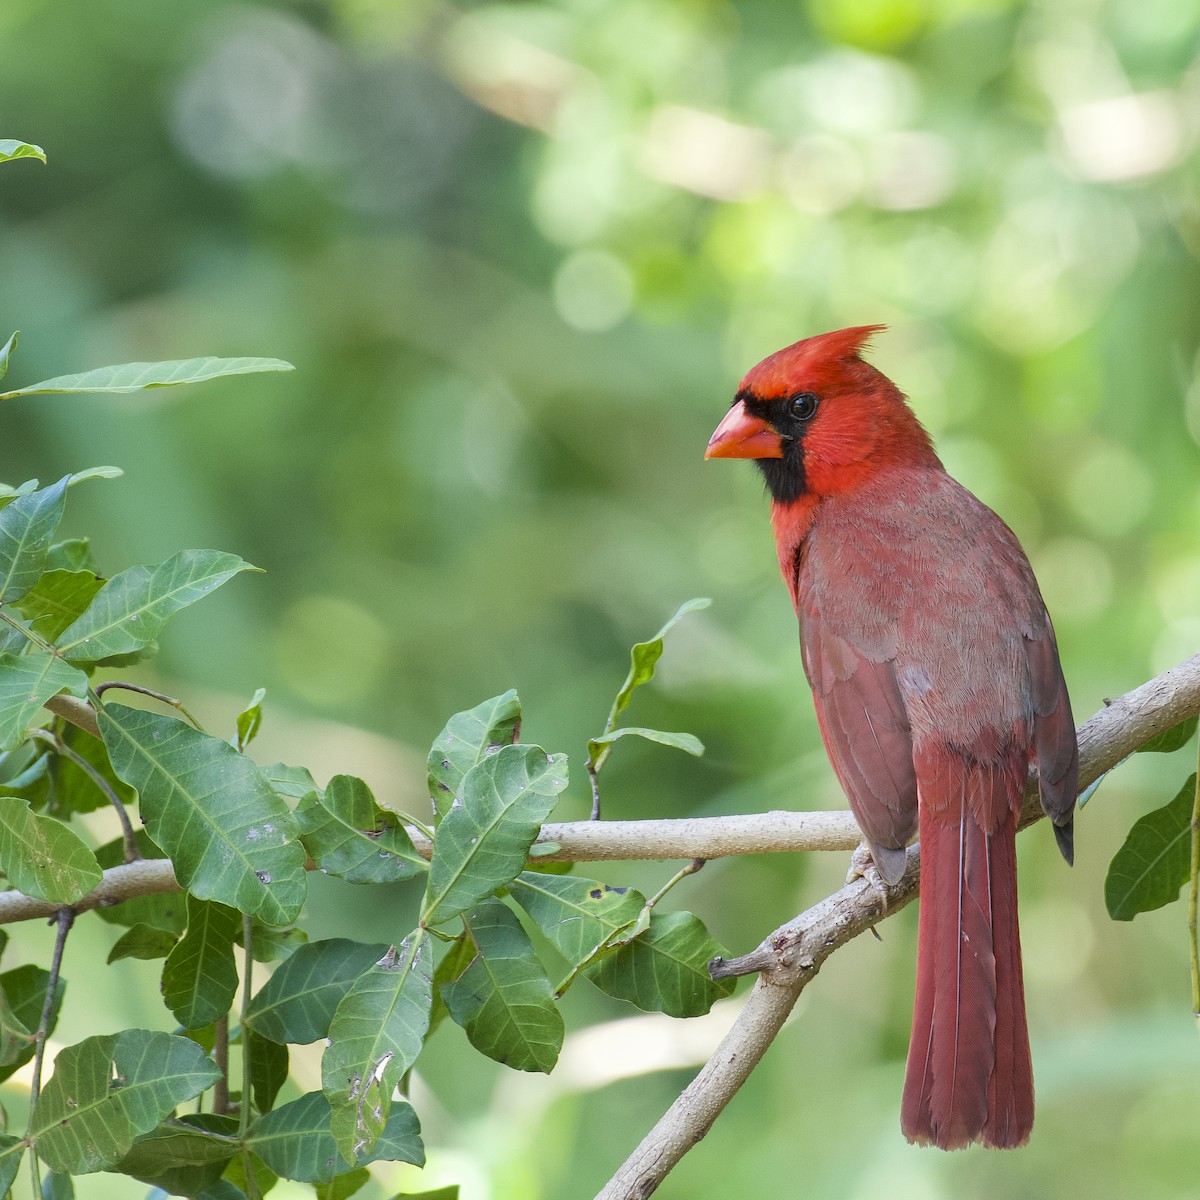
[(741, 435)]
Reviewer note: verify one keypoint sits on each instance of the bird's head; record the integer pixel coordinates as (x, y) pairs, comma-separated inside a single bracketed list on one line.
[(817, 419)]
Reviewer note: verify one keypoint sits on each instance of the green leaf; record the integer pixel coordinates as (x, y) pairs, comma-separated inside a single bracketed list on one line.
[(71, 790), (298, 1002), (74, 554), (644, 656), (1170, 739), (108, 1090), (56, 1186), (12, 1149), (269, 1064), (269, 943), (482, 842), (1155, 860), (503, 999), (340, 1187), (139, 376), (183, 1156), (452, 964), (229, 835), (58, 599), (682, 741), (164, 910), (467, 738), (442, 1193), (42, 857), (577, 915), (15, 1036), (26, 527), (375, 1036), (6, 352), (144, 942), (27, 681), (293, 782), (249, 720), (25, 990), (349, 835), (665, 969), (130, 610), (10, 150), (200, 976)]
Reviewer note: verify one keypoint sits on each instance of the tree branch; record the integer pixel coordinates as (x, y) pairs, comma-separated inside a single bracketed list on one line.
[(791, 956)]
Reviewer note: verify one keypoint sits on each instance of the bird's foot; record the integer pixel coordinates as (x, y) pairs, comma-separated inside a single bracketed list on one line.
[(862, 866)]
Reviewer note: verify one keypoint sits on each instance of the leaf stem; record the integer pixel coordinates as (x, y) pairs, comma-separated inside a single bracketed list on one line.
[(162, 697), (1194, 895), (682, 873), (65, 918), (247, 981), (221, 1056), (35, 638), (132, 853)]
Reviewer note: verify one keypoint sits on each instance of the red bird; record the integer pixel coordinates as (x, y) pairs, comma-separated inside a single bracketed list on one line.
[(937, 682)]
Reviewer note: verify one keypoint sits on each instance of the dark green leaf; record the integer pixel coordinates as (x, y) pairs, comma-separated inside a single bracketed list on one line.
[(466, 739), (1155, 861), (25, 989), (130, 610), (11, 1151), (269, 1064), (298, 1002), (1170, 739), (231, 838), (26, 528), (453, 963), (58, 599), (503, 999), (577, 915), (27, 681), (349, 835), (16, 1038), (482, 842), (295, 1140), (74, 554), (249, 720), (164, 910), (200, 976), (42, 857), (144, 942), (57, 1187), (271, 944), (375, 1036), (644, 656), (10, 150), (108, 1090), (183, 1156), (665, 969), (138, 376), (71, 790)]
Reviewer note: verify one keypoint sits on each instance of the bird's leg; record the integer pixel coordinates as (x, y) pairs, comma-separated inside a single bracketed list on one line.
[(862, 866)]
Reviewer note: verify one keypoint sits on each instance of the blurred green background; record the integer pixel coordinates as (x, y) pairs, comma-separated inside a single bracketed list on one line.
[(520, 256)]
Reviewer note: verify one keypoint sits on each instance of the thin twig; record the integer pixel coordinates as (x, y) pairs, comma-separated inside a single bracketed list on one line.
[(243, 1028), (65, 918), (220, 1101), (132, 853), (161, 697)]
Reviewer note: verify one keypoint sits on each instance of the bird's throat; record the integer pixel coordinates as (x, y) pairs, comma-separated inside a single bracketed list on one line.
[(791, 522)]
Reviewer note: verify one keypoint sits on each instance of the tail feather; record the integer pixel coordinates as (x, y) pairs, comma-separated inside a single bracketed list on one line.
[(969, 1076)]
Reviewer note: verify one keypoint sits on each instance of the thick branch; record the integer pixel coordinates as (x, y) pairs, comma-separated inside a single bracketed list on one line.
[(791, 956)]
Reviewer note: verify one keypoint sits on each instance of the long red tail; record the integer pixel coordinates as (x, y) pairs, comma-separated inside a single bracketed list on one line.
[(969, 1075)]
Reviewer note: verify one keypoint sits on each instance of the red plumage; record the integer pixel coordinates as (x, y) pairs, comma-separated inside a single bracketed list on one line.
[(936, 681)]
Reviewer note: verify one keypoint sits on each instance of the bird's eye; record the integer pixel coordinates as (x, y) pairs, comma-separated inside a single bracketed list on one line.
[(803, 406)]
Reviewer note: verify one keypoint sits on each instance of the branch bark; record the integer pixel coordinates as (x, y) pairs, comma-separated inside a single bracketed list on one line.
[(791, 956)]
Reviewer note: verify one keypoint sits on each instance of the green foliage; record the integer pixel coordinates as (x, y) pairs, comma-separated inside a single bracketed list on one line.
[(10, 150), (138, 377), (1155, 860)]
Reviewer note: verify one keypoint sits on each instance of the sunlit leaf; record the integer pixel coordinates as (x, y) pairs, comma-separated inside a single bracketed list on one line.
[(108, 1090), (11, 150), (144, 942), (27, 681), (503, 1000), (482, 842), (229, 835), (1170, 739), (349, 835), (577, 915), (138, 376), (294, 782), (27, 526), (1155, 860), (681, 741), (130, 610), (58, 599), (298, 1002), (466, 739), (42, 857), (249, 720), (6, 352), (665, 969), (200, 976), (375, 1036), (295, 1140)]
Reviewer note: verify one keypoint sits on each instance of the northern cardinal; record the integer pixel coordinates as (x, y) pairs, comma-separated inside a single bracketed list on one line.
[(936, 680)]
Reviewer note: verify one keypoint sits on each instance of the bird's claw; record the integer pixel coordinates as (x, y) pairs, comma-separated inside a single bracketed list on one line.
[(862, 866)]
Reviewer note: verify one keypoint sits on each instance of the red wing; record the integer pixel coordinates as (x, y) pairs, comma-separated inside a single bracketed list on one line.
[(867, 737), (1056, 749)]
